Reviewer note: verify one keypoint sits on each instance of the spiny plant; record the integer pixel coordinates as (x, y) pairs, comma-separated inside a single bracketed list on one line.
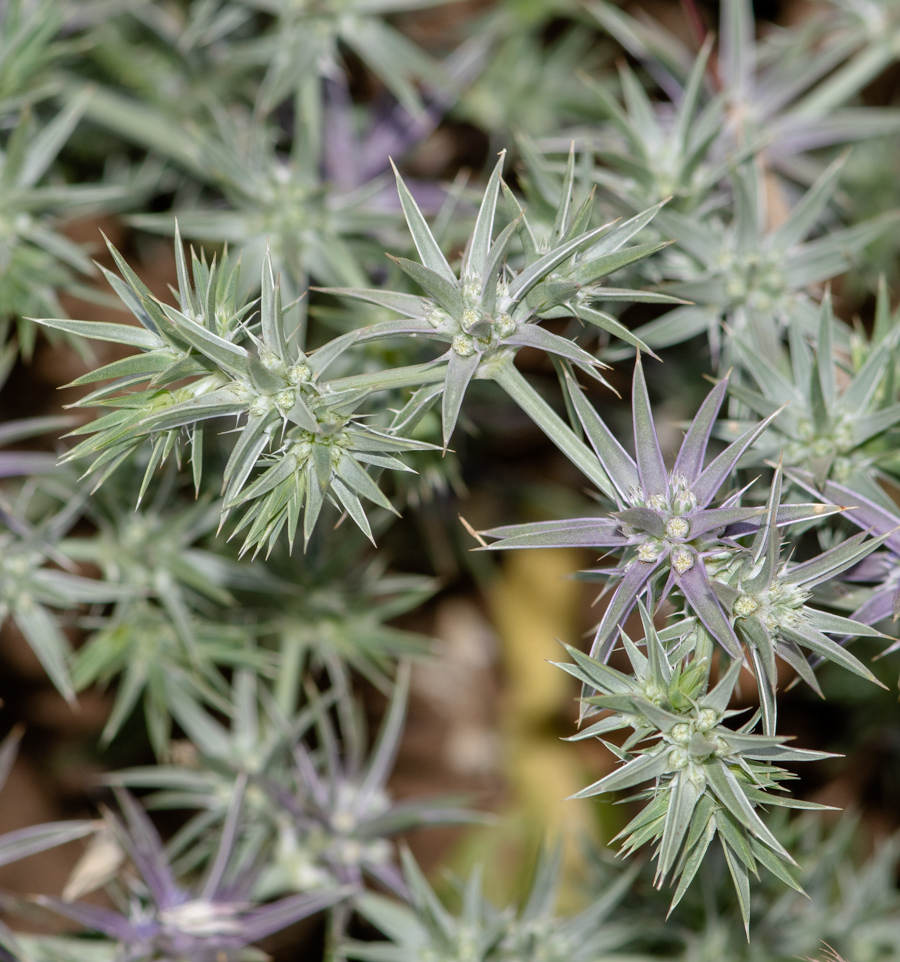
[(834, 417), (783, 95), (666, 525), (490, 311), (321, 812), (710, 779), (646, 157), (160, 918), (285, 396), (483, 933), (242, 410), (882, 570), (744, 598), (746, 276)]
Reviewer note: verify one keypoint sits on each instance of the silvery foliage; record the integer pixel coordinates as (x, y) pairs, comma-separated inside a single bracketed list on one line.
[(783, 94), (38, 261), (646, 157), (38, 578), (491, 310), (426, 928), (527, 84), (881, 571), (316, 804), (709, 778), (835, 417), (675, 542), (748, 278), (308, 190), (288, 403), (846, 903), (740, 121), (160, 917), (285, 794)]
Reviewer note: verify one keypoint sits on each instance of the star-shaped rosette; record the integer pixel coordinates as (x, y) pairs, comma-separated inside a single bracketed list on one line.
[(667, 527), (213, 921), (709, 780), (491, 310)]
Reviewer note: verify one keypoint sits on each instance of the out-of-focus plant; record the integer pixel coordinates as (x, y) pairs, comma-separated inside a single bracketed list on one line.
[(748, 276), (838, 423), (784, 94), (36, 578), (37, 260), (482, 932), (159, 917), (321, 813)]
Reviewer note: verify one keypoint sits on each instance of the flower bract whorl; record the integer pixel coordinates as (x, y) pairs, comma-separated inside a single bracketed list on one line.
[(489, 311), (709, 779), (667, 529)]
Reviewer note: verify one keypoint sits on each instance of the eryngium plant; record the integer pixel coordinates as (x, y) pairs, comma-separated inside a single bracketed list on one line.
[(491, 310), (767, 599), (427, 929), (299, 425), (749, 274), (667, 526), (160, 917), (709, 779), (317, 805), (783, 95), (840, 424)]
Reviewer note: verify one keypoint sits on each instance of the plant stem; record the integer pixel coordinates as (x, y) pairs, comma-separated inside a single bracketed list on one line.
[(414, 375), (338, 916), (528, 399)]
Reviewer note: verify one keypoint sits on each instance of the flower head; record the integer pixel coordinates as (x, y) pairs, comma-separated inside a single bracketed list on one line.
[(166, 919), (668, 528), (709, 779), (489, 311)]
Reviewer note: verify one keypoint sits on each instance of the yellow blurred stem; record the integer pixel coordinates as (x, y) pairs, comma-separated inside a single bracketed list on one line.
[(535, 604)]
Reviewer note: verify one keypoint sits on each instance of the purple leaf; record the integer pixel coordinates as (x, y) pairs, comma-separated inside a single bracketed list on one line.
[(716, 474), (834, 561), (695, 586), (863, 512), (693, 448), (92, 917), (645, 519), (620, 605), (259, 923), (651, 467), (877, 608), (615, 460), (709, 520), (144, 846)]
